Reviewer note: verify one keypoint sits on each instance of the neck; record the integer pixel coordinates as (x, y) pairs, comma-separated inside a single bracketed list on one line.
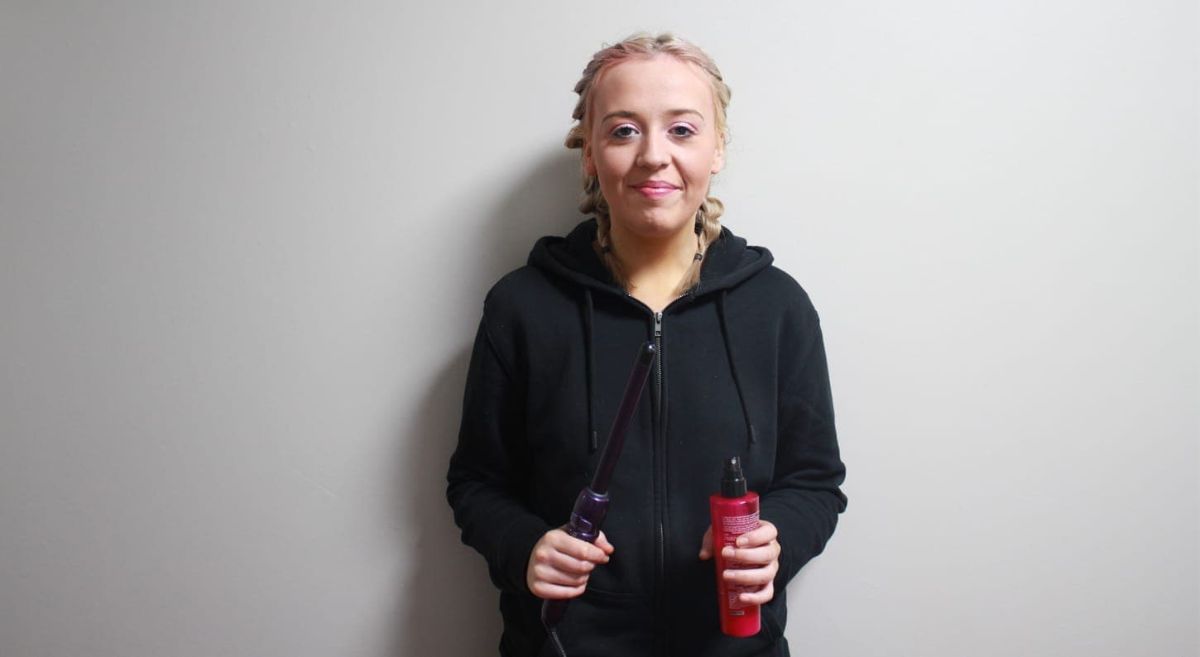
[(653, 268)]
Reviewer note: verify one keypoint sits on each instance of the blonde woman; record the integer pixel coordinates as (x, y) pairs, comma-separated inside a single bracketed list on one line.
[(741, 372)]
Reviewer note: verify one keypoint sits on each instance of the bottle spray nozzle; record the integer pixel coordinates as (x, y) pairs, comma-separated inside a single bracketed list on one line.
[(733, 483)]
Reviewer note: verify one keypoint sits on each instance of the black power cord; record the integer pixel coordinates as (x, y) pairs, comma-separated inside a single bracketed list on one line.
[(557, 644)]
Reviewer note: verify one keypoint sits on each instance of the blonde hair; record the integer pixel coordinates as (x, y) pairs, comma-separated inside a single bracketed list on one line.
[(708, 216)]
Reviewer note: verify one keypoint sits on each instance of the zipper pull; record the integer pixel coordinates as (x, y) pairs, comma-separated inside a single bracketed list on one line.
[(658, 325)]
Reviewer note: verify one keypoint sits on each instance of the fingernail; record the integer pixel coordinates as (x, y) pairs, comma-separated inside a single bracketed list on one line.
[(742, 541)]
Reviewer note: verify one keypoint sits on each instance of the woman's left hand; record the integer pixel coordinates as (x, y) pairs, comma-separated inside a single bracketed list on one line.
[(758, 552)]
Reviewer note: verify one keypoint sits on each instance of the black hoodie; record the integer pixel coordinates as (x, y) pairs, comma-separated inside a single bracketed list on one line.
[(741, 372)]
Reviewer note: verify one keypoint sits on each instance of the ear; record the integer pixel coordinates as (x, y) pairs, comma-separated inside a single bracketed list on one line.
[(589, 165), (719, 159)]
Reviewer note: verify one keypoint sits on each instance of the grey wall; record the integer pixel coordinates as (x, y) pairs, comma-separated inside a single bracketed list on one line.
[(243, 248)]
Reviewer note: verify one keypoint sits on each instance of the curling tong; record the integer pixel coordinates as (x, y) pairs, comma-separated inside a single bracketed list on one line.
[(592, 504)]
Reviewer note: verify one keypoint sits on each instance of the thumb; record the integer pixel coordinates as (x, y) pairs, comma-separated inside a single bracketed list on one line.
[(706, 544), (603, 544)]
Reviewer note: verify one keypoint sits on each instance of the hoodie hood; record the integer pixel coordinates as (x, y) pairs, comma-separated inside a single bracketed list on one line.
[(728, 261)]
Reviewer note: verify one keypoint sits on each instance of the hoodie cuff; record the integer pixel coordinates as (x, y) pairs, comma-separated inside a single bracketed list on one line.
[(509, 569), (777, 515), (802, 534)]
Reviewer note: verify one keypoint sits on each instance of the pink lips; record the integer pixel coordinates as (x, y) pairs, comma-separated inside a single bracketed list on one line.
[(655, 188)]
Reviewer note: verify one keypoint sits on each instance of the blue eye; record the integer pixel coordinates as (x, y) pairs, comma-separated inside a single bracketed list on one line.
[(624, 131), (682, 130)]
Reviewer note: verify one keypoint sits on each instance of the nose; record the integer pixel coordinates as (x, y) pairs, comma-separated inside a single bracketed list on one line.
[(654, 152)]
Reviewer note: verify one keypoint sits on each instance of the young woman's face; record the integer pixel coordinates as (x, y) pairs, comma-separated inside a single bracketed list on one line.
[(653, 144)]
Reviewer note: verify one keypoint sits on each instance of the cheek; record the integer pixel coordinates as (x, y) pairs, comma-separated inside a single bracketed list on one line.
[(699, 171), (610, 167)]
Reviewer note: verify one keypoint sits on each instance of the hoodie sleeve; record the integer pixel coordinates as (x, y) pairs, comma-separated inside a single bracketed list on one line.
[(488, 466), (804, 499)]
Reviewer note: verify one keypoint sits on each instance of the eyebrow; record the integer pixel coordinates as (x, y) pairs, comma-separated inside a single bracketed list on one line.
[(626, 114)]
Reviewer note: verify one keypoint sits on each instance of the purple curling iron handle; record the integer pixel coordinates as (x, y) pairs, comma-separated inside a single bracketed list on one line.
[(592, 504), (586, 518)]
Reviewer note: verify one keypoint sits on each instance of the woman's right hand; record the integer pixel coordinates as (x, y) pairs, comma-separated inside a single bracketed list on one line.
[(559, 564)]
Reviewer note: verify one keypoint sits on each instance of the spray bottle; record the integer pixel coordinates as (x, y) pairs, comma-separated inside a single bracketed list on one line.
[(734, 512)]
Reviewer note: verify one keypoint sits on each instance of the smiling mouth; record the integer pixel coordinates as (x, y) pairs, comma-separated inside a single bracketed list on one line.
[(653, 191)]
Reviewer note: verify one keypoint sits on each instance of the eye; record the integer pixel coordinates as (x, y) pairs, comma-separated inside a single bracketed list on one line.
[(682, 130), (624, 131)]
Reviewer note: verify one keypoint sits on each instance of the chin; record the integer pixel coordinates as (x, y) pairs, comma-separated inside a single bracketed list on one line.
[(657, 223)]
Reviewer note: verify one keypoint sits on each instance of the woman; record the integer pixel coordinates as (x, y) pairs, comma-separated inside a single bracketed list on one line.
[(741, 372)]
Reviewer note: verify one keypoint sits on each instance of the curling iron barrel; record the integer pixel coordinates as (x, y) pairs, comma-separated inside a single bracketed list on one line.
[(591, 506)]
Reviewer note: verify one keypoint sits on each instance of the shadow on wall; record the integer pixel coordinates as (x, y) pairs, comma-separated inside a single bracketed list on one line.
[(448, 606)]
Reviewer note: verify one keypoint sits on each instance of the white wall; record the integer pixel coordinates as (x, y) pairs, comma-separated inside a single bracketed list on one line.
[(243, 250)]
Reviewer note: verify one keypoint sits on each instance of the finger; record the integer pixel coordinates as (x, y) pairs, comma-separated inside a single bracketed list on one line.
[(706, 549), (555, 592), (753, 577), (760, 597), (567, 544), (568, 564), (548, 546), (603, 544), (551, 575), (760, 556), (763, 534)]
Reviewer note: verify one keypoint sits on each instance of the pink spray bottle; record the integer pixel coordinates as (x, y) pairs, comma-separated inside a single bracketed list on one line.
[(734, 512)]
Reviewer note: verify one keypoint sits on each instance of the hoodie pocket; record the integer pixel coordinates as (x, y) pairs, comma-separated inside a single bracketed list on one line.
[(602, 623)]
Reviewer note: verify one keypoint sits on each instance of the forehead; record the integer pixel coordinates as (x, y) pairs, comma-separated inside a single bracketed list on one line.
[(648, 84)]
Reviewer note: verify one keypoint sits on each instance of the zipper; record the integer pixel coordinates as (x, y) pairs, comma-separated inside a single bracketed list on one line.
[(662, 640), (658, 349), (660, 474), (658, 393)]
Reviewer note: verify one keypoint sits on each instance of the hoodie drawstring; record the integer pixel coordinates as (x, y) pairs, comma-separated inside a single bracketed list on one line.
[(737, 382), (590, 364)]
